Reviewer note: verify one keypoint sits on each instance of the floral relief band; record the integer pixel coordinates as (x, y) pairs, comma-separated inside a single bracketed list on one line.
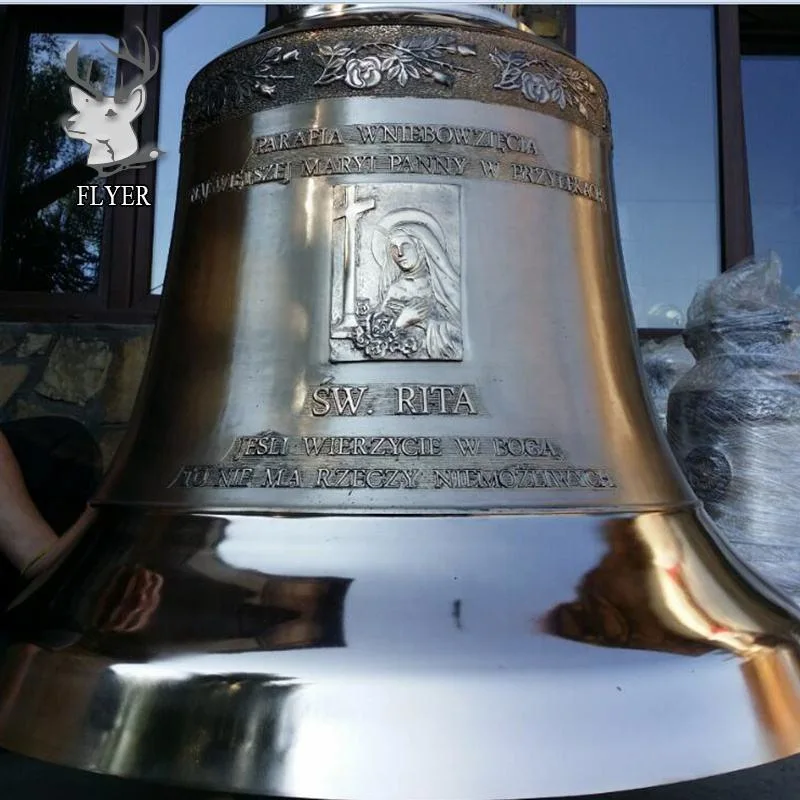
[(396, 61), (231, 87), (419, 57), (541, 81)]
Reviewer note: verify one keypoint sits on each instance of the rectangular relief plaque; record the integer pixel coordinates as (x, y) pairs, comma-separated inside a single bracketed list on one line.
[(396, 273)]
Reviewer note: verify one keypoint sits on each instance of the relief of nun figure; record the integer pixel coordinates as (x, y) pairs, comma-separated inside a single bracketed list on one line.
[(420, 287)]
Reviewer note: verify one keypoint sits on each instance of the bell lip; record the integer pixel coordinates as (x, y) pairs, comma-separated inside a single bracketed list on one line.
[(616, 684)]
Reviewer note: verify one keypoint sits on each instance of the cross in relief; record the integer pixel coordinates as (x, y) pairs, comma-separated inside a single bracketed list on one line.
[(350, 212)]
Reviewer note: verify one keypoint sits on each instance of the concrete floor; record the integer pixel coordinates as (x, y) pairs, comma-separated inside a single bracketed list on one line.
[(24, 779)]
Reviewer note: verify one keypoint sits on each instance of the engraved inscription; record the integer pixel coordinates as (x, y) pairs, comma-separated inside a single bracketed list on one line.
[(517, 477), (339, 401), (434, 400), (522, 478), (411, 446), (337, 165), (284, 172), (270, 460), (276, 172), (530, 447), (394, 149), (364, 66), (404, 133), (394, 400), (293, 140), (396, 275), (540, 176), (261, 445), (367, 479), (393, 163), (391, 133), (491, 449), (427, 164)]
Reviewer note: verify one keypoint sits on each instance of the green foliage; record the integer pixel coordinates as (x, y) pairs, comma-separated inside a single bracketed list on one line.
[(57, 248)]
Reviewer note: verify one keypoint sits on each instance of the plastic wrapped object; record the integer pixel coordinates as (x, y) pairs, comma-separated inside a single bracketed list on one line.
[(734, 418), (664, 363)]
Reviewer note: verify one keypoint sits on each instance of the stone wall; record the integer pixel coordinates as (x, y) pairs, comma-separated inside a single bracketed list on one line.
[(85, 371), (92, 373)]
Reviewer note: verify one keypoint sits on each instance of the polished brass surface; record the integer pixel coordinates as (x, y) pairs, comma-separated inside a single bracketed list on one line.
[(482, 656), (394, 518)]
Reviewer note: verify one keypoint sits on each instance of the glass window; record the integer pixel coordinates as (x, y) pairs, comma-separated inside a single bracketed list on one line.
[(187, 47), (50, 243), (658, 64), (770, 88)]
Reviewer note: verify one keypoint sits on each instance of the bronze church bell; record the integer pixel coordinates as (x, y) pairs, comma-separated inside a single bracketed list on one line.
[(394, 519)]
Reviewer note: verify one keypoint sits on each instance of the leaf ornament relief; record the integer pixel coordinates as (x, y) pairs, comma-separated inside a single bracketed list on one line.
[(413, 58), (543, 82), (239, 83)]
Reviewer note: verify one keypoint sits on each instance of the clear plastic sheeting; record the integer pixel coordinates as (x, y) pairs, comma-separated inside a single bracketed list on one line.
[(664, 363), (734, 418), (752, 290)]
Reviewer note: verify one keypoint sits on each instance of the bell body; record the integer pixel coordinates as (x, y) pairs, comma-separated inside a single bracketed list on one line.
[(506, 325), (394, 518)]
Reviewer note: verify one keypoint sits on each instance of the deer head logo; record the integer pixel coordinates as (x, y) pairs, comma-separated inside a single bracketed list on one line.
[(106, 123)]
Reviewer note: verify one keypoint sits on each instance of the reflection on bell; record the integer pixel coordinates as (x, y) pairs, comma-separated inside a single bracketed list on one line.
[(394, 518)]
